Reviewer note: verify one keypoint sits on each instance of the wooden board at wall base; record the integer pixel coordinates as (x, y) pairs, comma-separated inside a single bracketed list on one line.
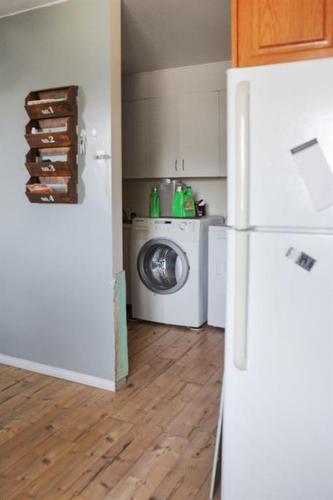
[(274, 31)]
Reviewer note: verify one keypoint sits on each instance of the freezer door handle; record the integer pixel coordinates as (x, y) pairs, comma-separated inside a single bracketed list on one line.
[(242, 155), (241, 299)]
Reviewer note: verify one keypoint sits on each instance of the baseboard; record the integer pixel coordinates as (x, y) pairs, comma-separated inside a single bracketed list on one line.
[(52, 371)]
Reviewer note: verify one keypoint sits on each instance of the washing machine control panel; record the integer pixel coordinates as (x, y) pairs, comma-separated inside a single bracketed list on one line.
[(172, 225), (162, 226), (186, 230)]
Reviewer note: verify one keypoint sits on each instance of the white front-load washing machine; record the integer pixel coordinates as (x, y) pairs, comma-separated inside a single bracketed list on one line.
[(169, 259)]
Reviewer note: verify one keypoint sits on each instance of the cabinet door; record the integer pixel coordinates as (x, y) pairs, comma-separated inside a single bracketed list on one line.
[(162, 137), (272, 31), (134, 140), (199, 135)]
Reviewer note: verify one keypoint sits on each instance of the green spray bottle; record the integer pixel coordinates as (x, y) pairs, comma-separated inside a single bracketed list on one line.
[(155, 204), (178, 202)]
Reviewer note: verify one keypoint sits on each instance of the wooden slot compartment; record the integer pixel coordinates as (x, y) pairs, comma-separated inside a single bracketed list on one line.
[(50, 103), (51, 162), (51, 190), (51, 133)]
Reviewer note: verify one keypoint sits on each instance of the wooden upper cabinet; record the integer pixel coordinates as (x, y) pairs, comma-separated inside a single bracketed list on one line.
[(272, 31)]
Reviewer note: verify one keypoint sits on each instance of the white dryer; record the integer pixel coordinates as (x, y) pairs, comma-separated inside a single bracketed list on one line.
[(169, 259)]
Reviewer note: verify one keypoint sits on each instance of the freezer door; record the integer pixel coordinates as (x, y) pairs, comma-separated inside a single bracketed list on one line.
[(271, 110), (278, 405)]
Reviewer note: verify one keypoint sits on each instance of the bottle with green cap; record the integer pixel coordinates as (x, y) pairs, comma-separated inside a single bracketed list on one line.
[(155, 204), (178, 202), (189, 206)]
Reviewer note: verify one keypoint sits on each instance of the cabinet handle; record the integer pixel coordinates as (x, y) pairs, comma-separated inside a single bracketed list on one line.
[(183, 167), (176, 168)]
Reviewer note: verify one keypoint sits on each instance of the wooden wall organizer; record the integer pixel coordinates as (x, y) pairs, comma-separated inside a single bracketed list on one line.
[(52, 136)]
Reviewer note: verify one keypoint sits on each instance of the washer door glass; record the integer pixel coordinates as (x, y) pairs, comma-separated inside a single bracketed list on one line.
[(163, 266)]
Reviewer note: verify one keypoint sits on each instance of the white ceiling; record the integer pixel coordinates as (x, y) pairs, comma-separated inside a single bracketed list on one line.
[(170, 33), (9, 7)]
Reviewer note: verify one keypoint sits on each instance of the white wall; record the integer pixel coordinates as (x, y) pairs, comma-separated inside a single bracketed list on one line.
[(56, 260), (172, 33)]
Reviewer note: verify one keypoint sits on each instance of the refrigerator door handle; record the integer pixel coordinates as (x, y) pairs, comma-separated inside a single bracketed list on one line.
[(242, 155), (241, 299)]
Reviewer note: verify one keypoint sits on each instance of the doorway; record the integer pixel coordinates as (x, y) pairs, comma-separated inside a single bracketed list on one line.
[(174, 59)]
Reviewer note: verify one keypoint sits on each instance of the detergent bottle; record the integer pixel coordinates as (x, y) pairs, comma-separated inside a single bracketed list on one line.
[(178, 202), (155, 204), (189, 205)]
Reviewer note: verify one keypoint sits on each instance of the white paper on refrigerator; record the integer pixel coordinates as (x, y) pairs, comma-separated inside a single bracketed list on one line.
[(315, 172)]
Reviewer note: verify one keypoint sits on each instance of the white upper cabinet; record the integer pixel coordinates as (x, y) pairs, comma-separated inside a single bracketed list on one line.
[(134, 139), (175, 136), (162, 136), (199, 134)]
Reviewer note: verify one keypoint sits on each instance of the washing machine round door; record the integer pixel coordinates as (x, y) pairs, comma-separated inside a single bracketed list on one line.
[(163, 266)]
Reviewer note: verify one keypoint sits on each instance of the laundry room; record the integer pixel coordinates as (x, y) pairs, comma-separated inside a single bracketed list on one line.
[(174, 61)]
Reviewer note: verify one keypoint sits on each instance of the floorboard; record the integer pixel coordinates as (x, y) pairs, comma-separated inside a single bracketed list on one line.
[(152, 440)]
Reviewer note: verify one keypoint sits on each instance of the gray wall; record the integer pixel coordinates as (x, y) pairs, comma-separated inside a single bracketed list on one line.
[(56, 260)]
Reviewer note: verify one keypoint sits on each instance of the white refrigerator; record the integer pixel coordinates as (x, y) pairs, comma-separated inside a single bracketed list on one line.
[(277, 439)]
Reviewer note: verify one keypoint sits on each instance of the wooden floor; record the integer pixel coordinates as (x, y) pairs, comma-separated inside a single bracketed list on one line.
[(152, 440)]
